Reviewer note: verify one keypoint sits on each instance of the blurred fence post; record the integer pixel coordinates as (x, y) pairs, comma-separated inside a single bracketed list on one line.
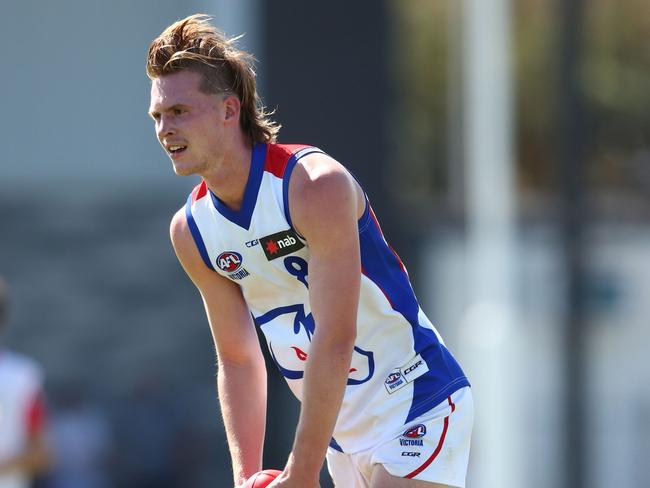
[(489, 332), (571, 156)]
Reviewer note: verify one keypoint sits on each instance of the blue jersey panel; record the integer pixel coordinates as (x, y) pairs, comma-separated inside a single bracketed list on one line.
[(385, 269)]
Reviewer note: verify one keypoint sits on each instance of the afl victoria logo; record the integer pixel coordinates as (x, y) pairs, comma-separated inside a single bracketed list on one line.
[(416, 432), (229, 261), (393, 378)]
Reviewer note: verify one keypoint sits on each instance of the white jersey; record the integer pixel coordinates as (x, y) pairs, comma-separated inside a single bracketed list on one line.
[(400, 367), (20, 410)]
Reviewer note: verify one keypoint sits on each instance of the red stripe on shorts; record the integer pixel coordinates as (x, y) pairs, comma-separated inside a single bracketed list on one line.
[(438, 447)]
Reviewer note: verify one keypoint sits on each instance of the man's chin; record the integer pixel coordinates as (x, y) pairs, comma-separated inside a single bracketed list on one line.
[(183, 170)]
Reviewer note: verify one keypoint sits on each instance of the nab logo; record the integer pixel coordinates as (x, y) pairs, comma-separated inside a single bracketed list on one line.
[(229, 261), (416, 432), (280, 244)]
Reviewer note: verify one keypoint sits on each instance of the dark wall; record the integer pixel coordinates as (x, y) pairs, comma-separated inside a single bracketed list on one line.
[(325, 71), (323, 66)]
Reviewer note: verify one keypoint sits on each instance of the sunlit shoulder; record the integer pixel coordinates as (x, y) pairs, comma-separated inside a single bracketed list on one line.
[(323, 191)]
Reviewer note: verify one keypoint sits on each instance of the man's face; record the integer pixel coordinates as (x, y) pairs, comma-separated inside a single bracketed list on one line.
[(189, 123)]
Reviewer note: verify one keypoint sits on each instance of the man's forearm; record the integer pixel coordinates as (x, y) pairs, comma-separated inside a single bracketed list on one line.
[(242, 396), (325, 381)]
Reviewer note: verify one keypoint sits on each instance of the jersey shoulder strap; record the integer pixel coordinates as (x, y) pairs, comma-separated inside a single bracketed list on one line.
[(280, 161), (280, 158)]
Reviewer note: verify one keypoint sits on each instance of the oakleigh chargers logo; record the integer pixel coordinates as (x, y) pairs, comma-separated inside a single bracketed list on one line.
[(230, 262), (280, 244)]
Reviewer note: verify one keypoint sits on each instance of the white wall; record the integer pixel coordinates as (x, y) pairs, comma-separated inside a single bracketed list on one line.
[(618, 388), (75, 94)]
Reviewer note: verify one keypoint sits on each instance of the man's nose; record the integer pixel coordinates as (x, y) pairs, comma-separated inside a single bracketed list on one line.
[(165, 127)]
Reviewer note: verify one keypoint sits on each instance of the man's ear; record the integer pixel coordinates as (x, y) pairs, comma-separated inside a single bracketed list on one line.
[(233, 107)]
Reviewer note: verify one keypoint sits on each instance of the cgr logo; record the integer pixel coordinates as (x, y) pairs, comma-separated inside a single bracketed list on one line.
[(410, 454), (229, 261), (414, 369), (410, 369)]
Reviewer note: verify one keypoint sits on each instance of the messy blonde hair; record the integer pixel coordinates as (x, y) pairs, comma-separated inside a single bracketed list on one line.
[(194, 44)]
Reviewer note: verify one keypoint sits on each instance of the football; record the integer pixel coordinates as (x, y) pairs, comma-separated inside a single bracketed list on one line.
[(261, 479)]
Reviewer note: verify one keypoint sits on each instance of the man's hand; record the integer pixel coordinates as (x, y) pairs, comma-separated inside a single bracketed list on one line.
[(294, 476), (286, 481)]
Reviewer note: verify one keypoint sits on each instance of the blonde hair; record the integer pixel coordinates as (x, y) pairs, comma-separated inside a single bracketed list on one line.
[(194, 44)]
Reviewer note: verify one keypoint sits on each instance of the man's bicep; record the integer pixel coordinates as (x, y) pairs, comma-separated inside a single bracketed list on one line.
[(325, 207)]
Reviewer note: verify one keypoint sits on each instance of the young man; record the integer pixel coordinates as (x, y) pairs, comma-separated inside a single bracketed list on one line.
[(283, 238), (23, 453)]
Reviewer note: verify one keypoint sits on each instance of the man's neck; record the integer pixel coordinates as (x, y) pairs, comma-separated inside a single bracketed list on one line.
[(229, 181)]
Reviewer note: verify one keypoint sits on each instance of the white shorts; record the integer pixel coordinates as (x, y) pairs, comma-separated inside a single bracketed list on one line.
[(434, 447)]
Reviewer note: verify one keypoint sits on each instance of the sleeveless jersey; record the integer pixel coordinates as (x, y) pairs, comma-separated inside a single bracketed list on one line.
[(20, 411), (400, 367)]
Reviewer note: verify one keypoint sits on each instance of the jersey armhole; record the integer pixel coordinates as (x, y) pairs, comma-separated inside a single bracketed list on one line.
[(362, 223), (196, 234), (291, 164)]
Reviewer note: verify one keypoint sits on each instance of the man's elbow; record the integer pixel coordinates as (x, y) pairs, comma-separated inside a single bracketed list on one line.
[(241, 360)]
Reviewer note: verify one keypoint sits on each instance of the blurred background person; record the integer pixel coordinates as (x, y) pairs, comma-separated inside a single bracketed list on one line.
[(23, 451), (81, 436)]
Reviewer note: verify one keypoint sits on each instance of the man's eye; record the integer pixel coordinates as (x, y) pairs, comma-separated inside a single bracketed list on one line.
[(178, 111)]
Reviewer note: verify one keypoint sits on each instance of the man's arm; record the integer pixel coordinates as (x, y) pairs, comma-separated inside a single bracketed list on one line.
[(241, 375), (325, 202)]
